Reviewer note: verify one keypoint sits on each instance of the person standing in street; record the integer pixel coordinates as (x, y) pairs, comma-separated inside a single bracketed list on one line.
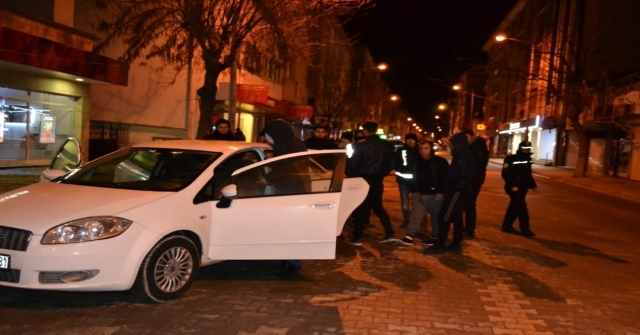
[(320, 139), (372, 159), (429, 178), (405, 164), (280, 136), (480, 153), (516, 172), (222, 132), (460, 174), (240, 135)]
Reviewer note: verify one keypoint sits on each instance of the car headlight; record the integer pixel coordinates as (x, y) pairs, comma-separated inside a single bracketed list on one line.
[(85, 230)]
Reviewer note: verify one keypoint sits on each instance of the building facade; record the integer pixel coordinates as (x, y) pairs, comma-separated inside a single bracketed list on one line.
[(552, 52)]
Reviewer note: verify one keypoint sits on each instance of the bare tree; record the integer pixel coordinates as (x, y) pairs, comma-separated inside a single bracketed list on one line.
[(333, 101), (212, 32)]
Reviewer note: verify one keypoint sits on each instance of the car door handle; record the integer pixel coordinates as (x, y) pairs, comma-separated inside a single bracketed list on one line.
[(325, 205)]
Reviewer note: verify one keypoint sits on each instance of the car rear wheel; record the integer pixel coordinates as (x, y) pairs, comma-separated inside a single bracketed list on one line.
[(168, 270)]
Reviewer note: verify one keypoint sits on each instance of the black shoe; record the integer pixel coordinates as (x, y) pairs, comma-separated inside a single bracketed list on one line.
[(435, 250), (454, 248), (407, 240), (510, 230), (387, 239), (430, 242), (528, 233), (288, 269)]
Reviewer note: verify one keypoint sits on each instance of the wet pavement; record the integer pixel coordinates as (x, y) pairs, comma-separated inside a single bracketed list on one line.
[(578, 276)]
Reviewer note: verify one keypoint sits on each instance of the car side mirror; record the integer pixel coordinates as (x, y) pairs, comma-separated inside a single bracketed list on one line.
[(52, 174), (228, 193)]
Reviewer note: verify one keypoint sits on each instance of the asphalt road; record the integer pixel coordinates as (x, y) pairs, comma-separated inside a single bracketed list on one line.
[(578, 276)]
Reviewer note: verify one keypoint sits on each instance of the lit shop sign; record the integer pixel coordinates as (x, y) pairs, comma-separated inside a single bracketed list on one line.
[(516, 127), (48, 129)]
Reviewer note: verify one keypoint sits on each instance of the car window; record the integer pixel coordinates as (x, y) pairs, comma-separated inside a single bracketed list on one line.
[(143, 169), (222, 174), (295, 175), (67, 158)]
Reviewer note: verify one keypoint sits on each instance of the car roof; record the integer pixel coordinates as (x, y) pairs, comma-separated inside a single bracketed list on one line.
[(202, 145)]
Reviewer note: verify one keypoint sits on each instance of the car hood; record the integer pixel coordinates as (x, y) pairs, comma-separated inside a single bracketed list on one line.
[(41, 206)]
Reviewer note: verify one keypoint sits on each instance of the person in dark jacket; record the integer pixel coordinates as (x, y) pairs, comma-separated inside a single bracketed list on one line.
[(320, 139), (480, 153), (280, 136), (222, 132), (240, 135), (429, 178), (372, 159), (516, 172), (405, 164), (458, 190)]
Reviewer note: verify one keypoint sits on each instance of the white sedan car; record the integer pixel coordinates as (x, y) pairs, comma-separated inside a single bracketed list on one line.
[(148, 217)]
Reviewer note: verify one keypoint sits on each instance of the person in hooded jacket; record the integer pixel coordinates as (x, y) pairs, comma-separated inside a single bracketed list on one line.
[(280, 137), (480, 153), (458, 190), (372, 159), (516, 172), (405, 162), (223, 132)]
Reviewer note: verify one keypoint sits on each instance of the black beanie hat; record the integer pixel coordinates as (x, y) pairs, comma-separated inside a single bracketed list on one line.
[(411, 135)]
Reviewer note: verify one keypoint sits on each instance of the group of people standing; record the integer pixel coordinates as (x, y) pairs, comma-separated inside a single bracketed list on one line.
[(430, 186)]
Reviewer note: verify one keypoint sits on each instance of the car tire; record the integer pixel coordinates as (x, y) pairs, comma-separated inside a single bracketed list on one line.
[(168, 270)]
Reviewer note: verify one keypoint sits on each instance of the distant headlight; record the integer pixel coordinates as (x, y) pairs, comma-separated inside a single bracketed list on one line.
[(86, 230)]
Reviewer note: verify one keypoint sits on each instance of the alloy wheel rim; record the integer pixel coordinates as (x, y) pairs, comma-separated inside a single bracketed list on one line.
[(173, 269)]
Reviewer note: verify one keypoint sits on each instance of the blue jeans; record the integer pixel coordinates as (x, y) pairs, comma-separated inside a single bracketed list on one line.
[(423, 204), (405, 198)]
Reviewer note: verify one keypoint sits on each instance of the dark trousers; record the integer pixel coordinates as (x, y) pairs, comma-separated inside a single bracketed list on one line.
[(470, 209), (517, 210), (373, 201), (451, 212)]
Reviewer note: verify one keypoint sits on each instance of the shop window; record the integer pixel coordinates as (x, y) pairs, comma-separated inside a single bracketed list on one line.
[(35, 125)]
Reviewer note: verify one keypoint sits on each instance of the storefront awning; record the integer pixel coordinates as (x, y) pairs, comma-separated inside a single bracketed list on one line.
[(25, 49)]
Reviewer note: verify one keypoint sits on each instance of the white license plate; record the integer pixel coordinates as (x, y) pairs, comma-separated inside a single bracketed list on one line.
[(4, 262)]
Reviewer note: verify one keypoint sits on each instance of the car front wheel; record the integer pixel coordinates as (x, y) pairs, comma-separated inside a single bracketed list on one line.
[(168, 270)]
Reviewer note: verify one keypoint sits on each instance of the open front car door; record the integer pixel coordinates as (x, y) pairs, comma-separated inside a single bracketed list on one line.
[(288, 207)]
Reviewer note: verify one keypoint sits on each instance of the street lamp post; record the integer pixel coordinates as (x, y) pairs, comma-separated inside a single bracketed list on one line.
[(502, 38), (472, 94)]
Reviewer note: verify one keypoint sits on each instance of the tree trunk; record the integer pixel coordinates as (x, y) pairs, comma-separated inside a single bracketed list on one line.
[(583, 148), (207, 94)]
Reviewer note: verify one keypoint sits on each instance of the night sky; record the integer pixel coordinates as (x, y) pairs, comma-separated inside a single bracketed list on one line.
[(428, 44)]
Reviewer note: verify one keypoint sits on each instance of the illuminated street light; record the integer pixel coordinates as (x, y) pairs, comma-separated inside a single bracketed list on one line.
[(382, 66), (437, 116), (457, 87), (414, 124), (394, 97), (503, 37), (409, 119), (442, 107)]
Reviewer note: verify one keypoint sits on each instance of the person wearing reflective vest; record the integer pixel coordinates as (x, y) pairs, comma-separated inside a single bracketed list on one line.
[(516, 172), (405, 161)]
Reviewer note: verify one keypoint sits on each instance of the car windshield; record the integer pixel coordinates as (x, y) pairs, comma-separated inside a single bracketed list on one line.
[(148, 169)]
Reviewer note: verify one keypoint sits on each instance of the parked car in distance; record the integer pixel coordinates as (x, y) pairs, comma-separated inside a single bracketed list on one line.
[(148, 217)]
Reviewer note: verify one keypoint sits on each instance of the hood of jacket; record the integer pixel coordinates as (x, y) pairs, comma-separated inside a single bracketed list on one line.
[(459, 143), (279, 130)]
